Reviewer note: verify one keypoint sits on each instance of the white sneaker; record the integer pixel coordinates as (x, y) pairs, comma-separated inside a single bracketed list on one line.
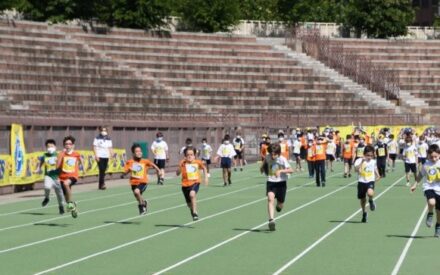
[(209, 175)]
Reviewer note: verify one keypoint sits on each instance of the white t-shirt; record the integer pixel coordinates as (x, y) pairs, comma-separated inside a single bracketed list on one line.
[(367, 170), (274, 165), (431, 176), (226, 151), (296, 147), (238, 143), (159, 149), (331, 148), (392, 147), (410, 153), (205, 151), (102, 145), (422, 150)]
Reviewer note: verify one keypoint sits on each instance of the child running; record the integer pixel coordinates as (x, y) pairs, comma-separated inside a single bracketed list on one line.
[(392, 152), (226, 152), (160, 151), (297, 153), (205, 153), (68, 162), (330, 153), (368, 175), (51, 173), (430, 174), (348, 151), (409, 154), (382, 155), (190, 168), (277, 168), (138, 169), (422, 149)]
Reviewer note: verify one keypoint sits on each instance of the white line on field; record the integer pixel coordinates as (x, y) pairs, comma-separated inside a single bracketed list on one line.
[(308, 249), (408, 243), (158, 234)]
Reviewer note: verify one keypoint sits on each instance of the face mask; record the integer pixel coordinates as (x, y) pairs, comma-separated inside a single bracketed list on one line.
[(51, 150), (281, 139), (189, 145), (409, 143), (238, 137), (159, 139), (204, 143), (103, 133), (226, 142)]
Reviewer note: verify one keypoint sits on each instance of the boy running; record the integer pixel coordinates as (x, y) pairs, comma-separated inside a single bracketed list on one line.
[(368, 174), (422, 149), (190, 170), (348, 151), (392, 152), (68, 162), (226, 152), (138, 169), (205, 153), (330, 153), (51, 173), (430, 174), (297, 153), (409, 154), (277, 168), (382, 155), (160, 151), (239, 148)]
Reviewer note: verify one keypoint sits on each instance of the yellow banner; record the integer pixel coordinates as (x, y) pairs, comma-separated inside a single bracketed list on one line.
[(5, 169), (18, 153)]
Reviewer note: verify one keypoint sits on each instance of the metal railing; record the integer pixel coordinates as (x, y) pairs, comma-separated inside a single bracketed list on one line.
[(377, 78)]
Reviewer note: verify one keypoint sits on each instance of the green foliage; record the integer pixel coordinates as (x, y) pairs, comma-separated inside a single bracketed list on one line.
[(295, 11), (7, 4), (264, 10), (379, 18), (209, 15)]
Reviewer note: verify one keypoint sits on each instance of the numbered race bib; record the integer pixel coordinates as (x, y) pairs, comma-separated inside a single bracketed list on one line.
[(237, 146), (319, 150), (205, 152), (422, 150), (69, 164), (432, 174), (51, 163), (158, 151), (273, 168), (192, 171), (381, 152), (360, 152), (283, 147), (310, 152), (409, 154), (367, 172), (347, 149), (225, 151), (137, 171)]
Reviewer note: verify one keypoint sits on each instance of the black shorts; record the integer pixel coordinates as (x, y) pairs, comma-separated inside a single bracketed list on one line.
[(160, 163), (142, 187), (363, 189), (188, 189), (330, 157), (303, 153), (410, 167), (431, 194), (278, 188), (348, 161), (238, 154), (73, 181), (393, 156), (207, 161), (422, 160), (225, 163), (296, 155)]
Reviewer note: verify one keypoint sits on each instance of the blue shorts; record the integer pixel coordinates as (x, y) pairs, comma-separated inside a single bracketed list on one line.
[(226, 163), (142, 187)]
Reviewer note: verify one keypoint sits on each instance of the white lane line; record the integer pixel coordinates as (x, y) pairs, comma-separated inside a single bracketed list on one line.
[(158, 233), (247, 232), (408, 243), (308, 249)]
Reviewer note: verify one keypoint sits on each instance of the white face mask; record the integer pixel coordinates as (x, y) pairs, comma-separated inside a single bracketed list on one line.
[(51, 150), (204, 143), (226, 142), (281, 139), (103, 133), (238, 137), (159, 138), (189, 145)]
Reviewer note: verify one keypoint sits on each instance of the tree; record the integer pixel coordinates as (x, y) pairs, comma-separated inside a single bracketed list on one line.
[(209, 15), (378, 18), (295, 11), (50, 10), (7, 4), (263, 10)]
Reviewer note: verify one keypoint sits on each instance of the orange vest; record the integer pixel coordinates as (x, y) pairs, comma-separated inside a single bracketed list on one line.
[(320, 151), (284, 149)]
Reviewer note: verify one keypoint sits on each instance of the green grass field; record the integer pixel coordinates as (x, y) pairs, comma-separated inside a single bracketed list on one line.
[(318, 232)]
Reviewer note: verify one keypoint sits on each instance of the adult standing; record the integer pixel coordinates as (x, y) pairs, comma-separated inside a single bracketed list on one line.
[(103, 149), (160, 151)]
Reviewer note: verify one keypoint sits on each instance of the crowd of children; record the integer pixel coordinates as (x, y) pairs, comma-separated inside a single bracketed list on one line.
[(372, 158)]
